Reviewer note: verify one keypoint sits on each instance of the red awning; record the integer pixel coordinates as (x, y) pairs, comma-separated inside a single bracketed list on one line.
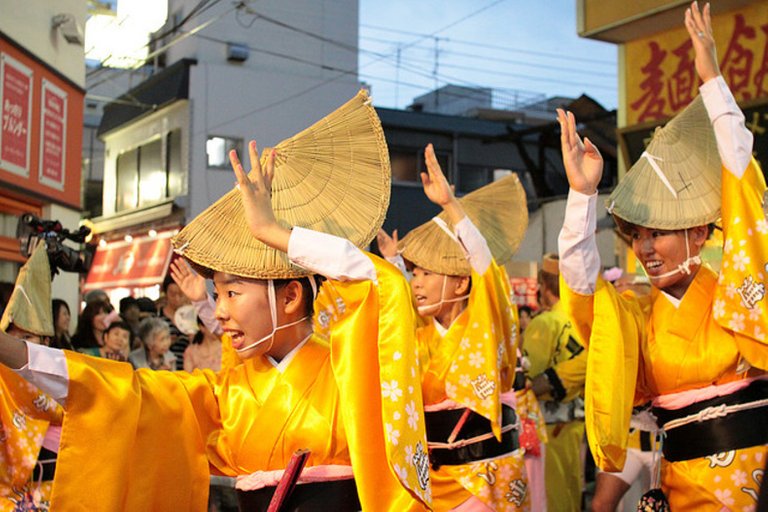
[(135, 264)]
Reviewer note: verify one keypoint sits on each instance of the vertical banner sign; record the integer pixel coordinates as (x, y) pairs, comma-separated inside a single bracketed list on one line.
[(16, 108), (53, 135)]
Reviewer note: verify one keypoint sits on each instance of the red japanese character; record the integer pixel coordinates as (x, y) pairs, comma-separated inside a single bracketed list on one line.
[(681, 86), (762, 71), (652, 102), (736, 65)]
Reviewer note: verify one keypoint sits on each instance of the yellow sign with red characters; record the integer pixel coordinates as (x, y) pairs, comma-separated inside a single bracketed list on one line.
[(661, 77)]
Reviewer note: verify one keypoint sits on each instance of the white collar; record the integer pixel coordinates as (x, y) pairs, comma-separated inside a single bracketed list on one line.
[(283, 364)]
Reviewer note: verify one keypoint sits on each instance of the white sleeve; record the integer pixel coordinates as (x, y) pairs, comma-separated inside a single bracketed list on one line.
[(398, 261), (206, 310), (474, 244), (47, 369), (734, 140), (579, 257), (329, 256)]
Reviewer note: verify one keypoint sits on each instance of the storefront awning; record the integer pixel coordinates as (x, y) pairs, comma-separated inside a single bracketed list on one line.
[(136, 264)]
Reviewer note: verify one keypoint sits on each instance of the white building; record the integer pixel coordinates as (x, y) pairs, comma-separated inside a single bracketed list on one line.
[(262, 71)]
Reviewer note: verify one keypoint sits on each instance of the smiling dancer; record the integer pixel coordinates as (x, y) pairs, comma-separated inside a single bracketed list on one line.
[(697, 346)]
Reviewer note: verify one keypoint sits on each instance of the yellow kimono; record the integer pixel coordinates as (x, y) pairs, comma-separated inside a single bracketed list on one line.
[(550, 344), (641, 349), (25, 415), (149, 440), (472, 364)]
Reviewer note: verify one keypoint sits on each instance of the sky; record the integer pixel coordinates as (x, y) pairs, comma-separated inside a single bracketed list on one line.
[(523, 49)]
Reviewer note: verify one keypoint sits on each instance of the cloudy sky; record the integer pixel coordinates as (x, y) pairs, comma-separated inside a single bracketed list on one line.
[(520, 48)]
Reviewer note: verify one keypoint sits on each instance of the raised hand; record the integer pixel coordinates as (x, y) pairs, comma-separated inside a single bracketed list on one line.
[(190, 282), (256, 194), (437, 189), (699, 26), (387, 244), (582, 160)]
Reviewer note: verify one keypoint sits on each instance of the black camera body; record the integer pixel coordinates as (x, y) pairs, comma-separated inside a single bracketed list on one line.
[(31, 231)]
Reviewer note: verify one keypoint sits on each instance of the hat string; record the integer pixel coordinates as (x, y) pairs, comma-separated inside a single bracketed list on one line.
[(273, 317), (652, 160), (685, 266), (424, 309)]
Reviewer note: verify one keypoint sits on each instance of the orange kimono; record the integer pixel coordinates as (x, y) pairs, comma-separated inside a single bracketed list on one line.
[(149, 440), (473, 364), (25, 415), (641, 349)]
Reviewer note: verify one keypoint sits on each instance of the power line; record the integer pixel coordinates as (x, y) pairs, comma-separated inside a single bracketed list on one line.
[(492, 46)]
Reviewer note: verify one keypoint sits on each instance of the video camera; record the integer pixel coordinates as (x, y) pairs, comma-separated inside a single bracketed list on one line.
[(31, 231)]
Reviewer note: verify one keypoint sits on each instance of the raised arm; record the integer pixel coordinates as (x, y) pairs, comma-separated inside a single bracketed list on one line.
[(579, 257)]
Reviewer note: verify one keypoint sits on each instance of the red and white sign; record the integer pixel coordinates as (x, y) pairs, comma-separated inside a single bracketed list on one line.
[(524, 291), (16, 108), (53, 136), (138, 263)]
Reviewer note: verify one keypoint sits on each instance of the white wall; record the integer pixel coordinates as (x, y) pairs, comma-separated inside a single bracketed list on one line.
[(28, 22), (544, 227)]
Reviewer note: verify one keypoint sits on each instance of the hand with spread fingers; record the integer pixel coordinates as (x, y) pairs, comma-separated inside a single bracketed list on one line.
[(582, 160), (437, 188), (256, 193), (190, 282), (387, 244), (699, 26)]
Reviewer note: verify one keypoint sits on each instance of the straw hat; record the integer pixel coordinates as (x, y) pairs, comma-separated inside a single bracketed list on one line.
[(550, 263), (676, 183), (29, 307), (333, 177), (499, 210)]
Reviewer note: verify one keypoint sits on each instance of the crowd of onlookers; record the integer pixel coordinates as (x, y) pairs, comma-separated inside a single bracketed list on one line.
[(141, 331)]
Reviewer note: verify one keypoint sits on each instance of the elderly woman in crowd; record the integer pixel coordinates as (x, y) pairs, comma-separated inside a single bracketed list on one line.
[(155, 354)]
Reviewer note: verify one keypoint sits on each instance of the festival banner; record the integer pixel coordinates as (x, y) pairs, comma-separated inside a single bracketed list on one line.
[(16, 108), (53, 136), (661, 76)]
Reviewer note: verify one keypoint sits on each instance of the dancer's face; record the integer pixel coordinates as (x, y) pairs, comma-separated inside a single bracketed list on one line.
[(242, 308), (661, 251), (428, 291)]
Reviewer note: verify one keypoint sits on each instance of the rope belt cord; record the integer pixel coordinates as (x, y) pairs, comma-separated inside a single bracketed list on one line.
[(472, 440), (710, 413)]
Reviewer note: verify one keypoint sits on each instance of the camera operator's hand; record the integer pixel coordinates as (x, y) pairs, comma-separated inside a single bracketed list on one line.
[(13, 352), (190, 282)]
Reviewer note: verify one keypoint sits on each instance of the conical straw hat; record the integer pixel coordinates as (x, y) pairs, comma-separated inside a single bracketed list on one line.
[(676, 183), (498, 210), (29, 307), (333, 177)]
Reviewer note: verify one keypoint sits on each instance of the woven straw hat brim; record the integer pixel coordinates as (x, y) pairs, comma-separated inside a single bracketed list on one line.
[(685, 151), (498, 210), (29, 307), (333, 177)]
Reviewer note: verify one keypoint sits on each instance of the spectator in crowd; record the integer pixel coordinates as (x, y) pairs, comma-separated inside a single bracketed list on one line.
[(204, 351), (91, 325), (97, 296), (174, 299), (156, 339), (116, 343), (130, 313), (61, 320), (525, 314), (147, 308)]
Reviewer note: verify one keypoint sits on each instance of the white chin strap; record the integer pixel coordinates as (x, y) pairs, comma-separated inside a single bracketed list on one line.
[(273, 316), (684, 267), (423, 310)]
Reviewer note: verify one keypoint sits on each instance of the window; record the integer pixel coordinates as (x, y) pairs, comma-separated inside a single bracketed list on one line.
[(472, 177), (218, 148), (407, 164), (150, 173)]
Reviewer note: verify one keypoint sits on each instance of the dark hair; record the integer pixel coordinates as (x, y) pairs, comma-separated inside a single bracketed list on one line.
[(84, 337), (146, 305), (57, 304), (168, 281), (527, 309), (198, 337), (127, 302), (119, 324), (306, 291)]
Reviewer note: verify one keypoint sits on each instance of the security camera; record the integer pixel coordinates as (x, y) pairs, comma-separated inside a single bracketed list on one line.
[(69, 28)]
